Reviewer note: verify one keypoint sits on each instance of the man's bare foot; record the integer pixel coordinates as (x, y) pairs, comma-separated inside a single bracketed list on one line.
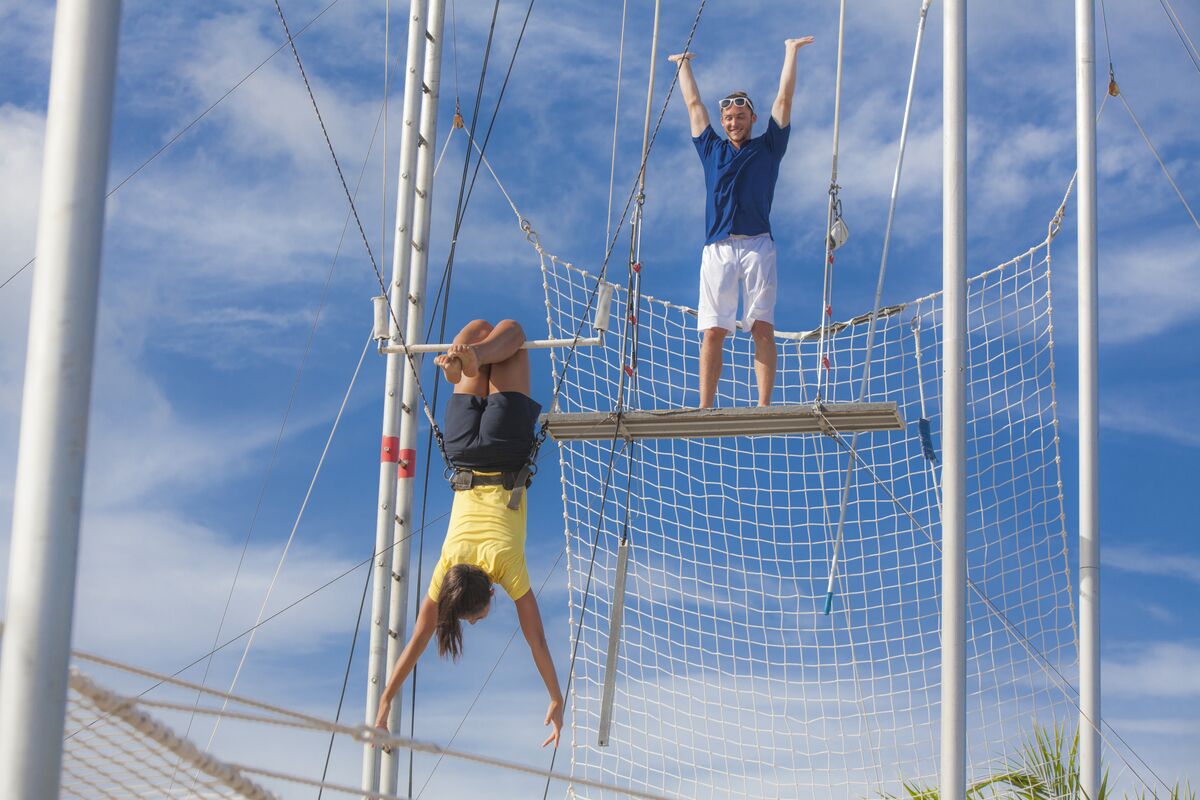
[(451, 367), (466, 357)]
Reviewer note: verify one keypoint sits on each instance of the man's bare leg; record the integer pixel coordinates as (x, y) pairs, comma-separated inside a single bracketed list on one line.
[(765, 359), (711, 356)]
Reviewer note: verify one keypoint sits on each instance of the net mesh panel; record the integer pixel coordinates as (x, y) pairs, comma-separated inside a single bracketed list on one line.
[(731, 681), (104, 756)]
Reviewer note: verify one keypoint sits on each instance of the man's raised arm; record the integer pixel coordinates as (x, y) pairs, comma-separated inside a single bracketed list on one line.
[(697, 113), (781, 111)]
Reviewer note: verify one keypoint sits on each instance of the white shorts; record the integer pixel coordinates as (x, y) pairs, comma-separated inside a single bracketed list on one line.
[(723, 265)]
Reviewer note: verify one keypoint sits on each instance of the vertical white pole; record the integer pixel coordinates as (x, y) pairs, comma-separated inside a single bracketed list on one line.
[(390, 449), (954, 387), (410, 405), (1089, 538), (48, 496)]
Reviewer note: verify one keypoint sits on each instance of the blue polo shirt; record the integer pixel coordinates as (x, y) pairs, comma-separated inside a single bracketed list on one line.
[(740, 181)]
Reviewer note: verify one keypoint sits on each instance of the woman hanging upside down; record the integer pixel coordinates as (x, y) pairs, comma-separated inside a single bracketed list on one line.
[(489, 437)]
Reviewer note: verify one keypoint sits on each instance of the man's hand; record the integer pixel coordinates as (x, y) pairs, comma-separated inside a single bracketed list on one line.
[(554, 716), (679, 58), (792, 45)]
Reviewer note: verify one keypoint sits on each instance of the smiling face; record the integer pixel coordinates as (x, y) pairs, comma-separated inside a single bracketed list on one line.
[(737, 122)]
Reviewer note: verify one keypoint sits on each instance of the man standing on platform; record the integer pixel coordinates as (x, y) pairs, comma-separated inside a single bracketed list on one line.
[(739, 175)]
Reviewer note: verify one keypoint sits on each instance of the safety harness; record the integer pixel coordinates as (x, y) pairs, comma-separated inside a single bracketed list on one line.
[(463, 480)]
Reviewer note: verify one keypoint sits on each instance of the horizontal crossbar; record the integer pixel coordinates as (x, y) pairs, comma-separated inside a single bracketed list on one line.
[(707, 423), (530, 344)]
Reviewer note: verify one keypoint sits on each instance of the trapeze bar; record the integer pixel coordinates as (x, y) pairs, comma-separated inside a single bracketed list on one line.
[(532, 344), (708, 423)]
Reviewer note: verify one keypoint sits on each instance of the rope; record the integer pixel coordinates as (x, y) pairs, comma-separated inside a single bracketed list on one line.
[(883, 260), (612, 171), (397, 328), (246, 632), (337, 716), (834, 212), (295, 527), (1047, 666), (295, 385), (122, 708), (1177, 26), (125, 709), (381, 117), (179, 133), (1158, 158)]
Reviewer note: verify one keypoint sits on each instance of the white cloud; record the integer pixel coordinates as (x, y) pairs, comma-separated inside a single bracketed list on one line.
[(1145, 561), (1153, 669), (1148, 287)]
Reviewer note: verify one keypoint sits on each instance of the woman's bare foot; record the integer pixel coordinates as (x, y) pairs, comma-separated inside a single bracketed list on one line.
[(467, 359), (451, 366)]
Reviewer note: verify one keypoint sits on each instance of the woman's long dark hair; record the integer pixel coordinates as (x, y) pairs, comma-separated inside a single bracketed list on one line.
[(466, 590)]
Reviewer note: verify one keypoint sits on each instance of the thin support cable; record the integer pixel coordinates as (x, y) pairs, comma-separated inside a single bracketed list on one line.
[(295, 527), (1181, 32), (834, 212), (872, 324), (337, 716), (1158, 158), (287, 413), (125, 708), (363, 235), (1048, 667), (612, 170), (179, 133), (587, 586)]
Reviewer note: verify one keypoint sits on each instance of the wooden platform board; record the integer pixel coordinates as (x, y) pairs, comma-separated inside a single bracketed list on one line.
[(709, 423)]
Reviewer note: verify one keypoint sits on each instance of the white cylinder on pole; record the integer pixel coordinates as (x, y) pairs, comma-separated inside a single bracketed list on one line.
[(48, 496), (952, 775), (410, 405), (1089, 345), (393, 381)]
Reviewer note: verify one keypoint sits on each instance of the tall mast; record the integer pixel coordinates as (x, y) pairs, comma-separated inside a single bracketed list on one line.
[(385, 526), (48, 496), (1089, 345), (952, 775), (418, 248)]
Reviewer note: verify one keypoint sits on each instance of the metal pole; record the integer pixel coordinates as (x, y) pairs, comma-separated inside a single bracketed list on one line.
[(1089, 344), (48, 495), (418, 248), (952, 777), (390, 449)]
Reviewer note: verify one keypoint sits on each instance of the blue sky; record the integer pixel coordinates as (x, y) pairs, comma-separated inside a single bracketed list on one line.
[(217, 253)]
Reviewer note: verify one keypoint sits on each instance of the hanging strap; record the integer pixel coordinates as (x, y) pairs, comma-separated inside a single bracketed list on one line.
[(463, 480)]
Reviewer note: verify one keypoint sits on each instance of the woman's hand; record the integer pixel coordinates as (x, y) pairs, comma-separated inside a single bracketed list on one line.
[(381, 719), (554, 716), (385, 710)]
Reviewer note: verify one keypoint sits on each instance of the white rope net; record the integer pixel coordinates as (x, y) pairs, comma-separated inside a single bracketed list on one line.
[(731, 680), (125, 744)]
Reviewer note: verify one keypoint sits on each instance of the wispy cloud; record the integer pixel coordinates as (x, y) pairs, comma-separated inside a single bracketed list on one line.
[(1145, 561), (1153, 669)]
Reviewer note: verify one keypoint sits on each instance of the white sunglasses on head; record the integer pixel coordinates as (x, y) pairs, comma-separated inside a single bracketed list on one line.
[(736, 101)]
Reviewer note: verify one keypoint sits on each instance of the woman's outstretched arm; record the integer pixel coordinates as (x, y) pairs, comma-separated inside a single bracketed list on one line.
[(535, 636), (422, 631)]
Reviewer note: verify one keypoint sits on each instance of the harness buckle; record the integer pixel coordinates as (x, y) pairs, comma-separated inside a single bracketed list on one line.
[(462, 480), (520, 484)]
